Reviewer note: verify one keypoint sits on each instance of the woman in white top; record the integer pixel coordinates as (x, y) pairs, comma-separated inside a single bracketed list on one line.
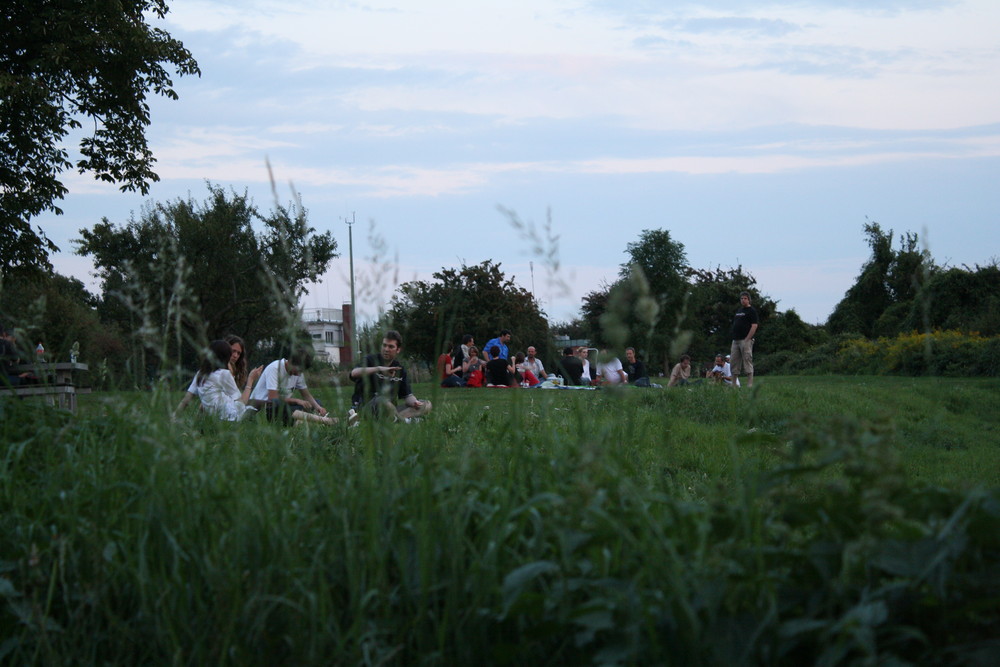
[(217, 388)]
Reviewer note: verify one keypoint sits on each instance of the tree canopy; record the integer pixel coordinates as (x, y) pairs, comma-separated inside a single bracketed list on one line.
[(62, 63), (196, 271), (664, 307), (881, 296), (478, 300)]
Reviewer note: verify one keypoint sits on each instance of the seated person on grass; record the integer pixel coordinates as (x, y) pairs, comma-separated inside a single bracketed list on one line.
[(10, 358), (534, 364), (499, 371), (237, 366), (220, 397), (587, 375), (720, 372), (523, 375), (610, 371), (635, 369), (450, 374), (382, 381), (572, 367), (681, 374), (273, 392)]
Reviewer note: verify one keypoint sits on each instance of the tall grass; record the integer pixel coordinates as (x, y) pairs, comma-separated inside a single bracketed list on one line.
[(673, 527)]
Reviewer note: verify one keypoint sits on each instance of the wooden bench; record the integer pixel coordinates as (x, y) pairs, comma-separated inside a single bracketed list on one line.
[(56, 383), (63, 395)]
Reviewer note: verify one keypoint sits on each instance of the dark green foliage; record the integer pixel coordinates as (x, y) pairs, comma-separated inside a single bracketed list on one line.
[(62, 63), (478, 300), (58, 312), (890, 277), (187, 272), (964, 299)]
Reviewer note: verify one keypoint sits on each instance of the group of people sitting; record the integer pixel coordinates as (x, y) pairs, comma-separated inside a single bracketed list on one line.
[(720, 372), (379, 383), (463, 366)]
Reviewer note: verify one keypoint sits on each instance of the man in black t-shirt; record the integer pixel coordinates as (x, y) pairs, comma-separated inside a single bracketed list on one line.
[(744, 327), (572, 367), (635, 369), (383, 380)]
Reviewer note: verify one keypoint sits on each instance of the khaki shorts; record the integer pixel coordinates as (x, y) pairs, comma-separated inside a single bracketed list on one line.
[(741, 357)]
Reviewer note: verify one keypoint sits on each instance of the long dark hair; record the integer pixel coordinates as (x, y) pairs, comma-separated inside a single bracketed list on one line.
[(239, 369), (216, 357)]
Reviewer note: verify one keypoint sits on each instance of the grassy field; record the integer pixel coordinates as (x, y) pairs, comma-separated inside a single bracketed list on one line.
[(818, 520)]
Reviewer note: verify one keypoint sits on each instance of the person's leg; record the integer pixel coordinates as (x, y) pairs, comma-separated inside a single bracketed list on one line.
[(735, 360), (278, 409), (747, 354), (301, 416), (406, 412)]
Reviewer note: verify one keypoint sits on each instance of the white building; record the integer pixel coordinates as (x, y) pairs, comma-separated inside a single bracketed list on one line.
[(327, 328)]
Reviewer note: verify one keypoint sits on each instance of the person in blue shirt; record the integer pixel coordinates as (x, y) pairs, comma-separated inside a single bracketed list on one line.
[(500, 342)]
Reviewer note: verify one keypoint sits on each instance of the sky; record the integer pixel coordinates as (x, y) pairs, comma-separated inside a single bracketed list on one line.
[(546, 135)]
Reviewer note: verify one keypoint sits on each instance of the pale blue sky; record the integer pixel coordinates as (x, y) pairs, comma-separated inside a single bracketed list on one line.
[(758, 133)]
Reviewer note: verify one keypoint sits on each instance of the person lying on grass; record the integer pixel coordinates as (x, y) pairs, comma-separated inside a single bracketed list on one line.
[(382, 381)]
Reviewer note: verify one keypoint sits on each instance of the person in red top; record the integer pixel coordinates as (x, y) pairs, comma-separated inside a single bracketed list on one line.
[(449, 374)]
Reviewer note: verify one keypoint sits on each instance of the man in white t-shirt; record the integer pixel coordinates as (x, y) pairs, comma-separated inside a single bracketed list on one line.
[(273, 391), (720, 371), (534, 364), (610, 371)]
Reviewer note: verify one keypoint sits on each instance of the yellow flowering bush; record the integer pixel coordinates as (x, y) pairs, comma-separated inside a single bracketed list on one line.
[(932, 353)]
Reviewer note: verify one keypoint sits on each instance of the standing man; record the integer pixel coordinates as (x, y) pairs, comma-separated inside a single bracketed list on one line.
[(744, 327), (534, 364), (382, 380), (501, 342)]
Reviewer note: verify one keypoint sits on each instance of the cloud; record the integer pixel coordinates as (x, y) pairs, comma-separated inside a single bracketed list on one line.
[(750, 26)]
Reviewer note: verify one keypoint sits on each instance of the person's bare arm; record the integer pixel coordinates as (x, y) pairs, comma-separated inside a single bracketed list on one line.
[(251, 381), (371, 370), (311, 402)]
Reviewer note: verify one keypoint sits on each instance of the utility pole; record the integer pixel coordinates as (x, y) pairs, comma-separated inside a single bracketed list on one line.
[(354, 308)]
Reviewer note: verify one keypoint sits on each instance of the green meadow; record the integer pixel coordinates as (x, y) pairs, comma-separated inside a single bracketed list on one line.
[(810, 520)]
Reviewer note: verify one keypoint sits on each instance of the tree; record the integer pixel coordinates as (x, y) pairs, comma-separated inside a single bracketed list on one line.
[(59, 312), (958, 298), (478, 300), (186, 272), (644, 307), (888, 280), (62, 62)]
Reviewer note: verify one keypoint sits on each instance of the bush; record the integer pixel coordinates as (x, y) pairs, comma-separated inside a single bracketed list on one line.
[(948, 353)]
